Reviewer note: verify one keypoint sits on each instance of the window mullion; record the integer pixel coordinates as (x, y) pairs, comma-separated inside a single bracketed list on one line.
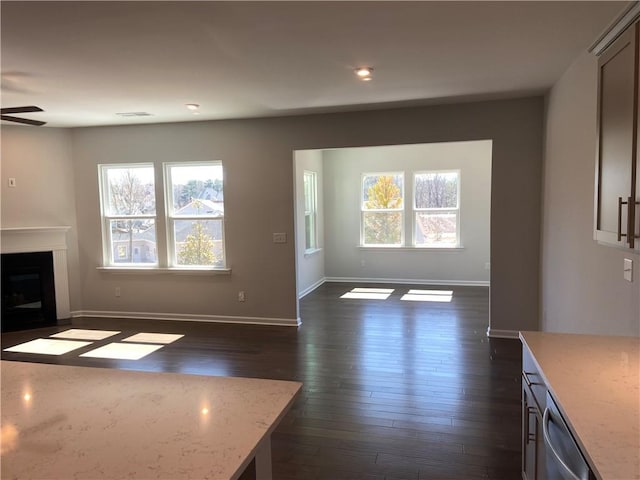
[(161, 212)]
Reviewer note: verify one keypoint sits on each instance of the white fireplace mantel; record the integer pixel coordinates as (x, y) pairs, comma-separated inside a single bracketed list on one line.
[(43, 239)]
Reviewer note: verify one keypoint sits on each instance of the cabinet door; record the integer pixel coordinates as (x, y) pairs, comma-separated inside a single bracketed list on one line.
[(533, 449), (636, 171), (617, 107)]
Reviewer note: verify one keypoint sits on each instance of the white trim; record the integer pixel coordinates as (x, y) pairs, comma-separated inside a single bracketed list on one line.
[(615, 29), (493, 333), (44, 239), (33, 239), (406, 248), (161, 270), (411, 281), (313, 208), (186, 317), (310, 289)]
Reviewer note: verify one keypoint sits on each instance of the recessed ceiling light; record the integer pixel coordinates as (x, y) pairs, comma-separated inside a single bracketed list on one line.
[(364, 73), (192, 106)]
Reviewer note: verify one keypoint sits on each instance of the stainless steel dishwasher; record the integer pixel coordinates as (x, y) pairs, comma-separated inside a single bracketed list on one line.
[(564, 460)]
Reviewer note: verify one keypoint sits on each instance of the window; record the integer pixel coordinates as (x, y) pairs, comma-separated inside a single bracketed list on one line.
[(310, 211), (194, 220), (382, 207), (128, 205), (437, 209), (195, 214)]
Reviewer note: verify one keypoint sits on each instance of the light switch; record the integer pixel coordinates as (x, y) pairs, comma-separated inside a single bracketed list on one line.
[(279, 238), (628, 269), (12, 182)]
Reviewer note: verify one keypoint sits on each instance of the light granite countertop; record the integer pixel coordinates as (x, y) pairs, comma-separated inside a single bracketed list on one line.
[(595, 381), (62, 422)]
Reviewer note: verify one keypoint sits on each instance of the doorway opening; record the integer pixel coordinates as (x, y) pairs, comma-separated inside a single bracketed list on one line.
[(414, 214)]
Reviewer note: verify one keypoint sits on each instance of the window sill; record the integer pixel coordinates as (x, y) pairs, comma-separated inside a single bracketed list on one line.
[(411, 249), (165, 270), (312, 252)]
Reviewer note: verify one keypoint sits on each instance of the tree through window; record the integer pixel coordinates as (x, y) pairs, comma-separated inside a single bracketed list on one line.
[(382, 209), (129, 213), (195, 214), (193, 224)]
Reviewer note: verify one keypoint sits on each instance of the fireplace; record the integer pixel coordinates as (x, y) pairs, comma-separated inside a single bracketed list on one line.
[(35, 282), (28, 291)]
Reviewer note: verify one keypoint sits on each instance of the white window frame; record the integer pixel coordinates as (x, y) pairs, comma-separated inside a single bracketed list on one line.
[(417, 210), (364, 210), (163, 221), (311, 210), (171, 217), (107, 217)]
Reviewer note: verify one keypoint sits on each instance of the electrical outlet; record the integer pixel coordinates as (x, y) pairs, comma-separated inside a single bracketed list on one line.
[(117, 291), (241, 297)]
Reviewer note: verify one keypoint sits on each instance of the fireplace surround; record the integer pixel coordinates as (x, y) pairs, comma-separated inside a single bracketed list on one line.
[(51, 246)]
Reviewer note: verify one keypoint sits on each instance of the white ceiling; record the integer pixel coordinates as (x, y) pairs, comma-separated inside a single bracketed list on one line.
[(83, 62)]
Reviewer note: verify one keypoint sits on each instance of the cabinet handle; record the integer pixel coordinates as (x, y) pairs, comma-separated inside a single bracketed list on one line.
[(531, 437), (546, 418), (631, 215), (620, 234)]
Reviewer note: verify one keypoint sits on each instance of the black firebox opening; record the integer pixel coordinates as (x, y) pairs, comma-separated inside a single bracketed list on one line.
[(28, 291)]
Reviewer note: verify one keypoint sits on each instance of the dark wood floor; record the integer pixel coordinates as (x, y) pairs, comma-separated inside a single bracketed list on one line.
[(392, 389)]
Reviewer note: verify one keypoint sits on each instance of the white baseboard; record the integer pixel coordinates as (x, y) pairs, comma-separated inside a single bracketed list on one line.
[(310, 289), (185, 317), (411, 281), (493, 333)]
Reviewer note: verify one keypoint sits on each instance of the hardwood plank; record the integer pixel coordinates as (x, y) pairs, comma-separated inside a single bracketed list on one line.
[(392, 390)]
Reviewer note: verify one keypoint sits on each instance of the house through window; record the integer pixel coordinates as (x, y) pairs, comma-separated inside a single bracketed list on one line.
[(193, 223), (128, 204), (195, 214), (435, 198)]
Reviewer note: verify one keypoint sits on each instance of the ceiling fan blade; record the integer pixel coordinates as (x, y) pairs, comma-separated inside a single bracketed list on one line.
[(26, 121), (31, 108)]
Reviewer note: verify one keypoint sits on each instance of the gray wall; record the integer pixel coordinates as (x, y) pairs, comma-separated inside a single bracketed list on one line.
[(344, 259), (257, 155), (582, 286), (310, 266), (40, 161)]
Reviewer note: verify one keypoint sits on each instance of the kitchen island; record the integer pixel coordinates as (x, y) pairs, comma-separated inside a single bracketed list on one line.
[(62, 422), (595, 381)]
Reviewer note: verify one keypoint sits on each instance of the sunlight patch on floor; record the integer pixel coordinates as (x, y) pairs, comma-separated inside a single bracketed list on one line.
[(80, 334), (428, 296), (46, 346), (123, 351), (372, 290), (368, 293), (146, 337)]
